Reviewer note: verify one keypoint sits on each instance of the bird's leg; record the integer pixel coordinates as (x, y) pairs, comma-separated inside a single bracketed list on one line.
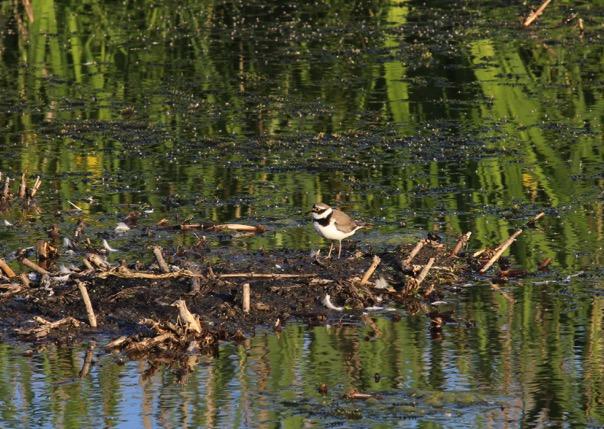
[(330, 249), (340, 249)]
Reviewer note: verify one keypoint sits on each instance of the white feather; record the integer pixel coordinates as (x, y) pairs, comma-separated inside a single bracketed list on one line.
[(327, 303)]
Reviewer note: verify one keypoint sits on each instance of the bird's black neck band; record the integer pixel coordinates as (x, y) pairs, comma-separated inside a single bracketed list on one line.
[(324, 221)]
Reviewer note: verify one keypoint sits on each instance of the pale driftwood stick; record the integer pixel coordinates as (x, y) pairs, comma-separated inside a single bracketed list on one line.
[(478, 253), (32, 265), (264, 276), (6, 269), (374, 264), (535, 14), (87, 303), (157, 251), (414, 252), (463, 240), (239, 227), (246, 298), (186, 273), (502, 248), (186, 316), (425, 270), (140, 275)]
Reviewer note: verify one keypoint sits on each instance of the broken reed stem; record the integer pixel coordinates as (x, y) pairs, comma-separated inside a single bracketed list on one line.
[(186, 316), (24, 279), (22, 187), (537, 217), (246, 298), (414, 252), (370, 270), (535, 14), (36, 187), (6, 269), (32, 265), (157, 251), (87, 303), (502, 248), (425, 270), (6, 191), (463, 240)]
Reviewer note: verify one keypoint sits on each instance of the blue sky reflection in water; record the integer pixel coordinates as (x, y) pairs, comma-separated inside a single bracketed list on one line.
[(250, 112)]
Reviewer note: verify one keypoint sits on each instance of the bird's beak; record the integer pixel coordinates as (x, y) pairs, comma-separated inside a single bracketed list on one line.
[(308, 212)]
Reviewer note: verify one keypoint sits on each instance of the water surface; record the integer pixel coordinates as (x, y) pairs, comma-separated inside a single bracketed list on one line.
[(416, 117)]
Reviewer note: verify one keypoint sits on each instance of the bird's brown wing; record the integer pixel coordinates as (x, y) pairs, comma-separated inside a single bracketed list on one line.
[(343, 222)]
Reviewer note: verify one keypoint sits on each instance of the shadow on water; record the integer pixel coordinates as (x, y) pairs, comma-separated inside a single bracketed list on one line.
[(446, 117)]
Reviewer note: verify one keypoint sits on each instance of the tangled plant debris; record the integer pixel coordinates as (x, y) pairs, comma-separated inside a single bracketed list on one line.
[(170, 310)]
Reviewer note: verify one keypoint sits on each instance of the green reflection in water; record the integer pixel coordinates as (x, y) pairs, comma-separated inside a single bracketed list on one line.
[(503, 363), (253, 110)]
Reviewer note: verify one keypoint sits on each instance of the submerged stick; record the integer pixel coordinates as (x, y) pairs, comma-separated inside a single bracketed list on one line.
[(463, 240), (6, 269), (535, 14), (87, 303), (414, 252), (246, 298), (502, 248), (157, 251), (371, 269), (87, 360)]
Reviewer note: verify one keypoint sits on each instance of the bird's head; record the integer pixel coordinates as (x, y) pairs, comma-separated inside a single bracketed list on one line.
[(320, 210)]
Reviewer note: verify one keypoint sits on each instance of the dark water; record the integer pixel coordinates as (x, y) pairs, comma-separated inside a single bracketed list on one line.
[(444, 116)]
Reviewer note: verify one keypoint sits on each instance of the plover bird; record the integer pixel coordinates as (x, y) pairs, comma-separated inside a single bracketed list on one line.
[(333, 224)]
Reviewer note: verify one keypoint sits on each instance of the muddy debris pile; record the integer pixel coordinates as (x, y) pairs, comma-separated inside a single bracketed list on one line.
[(182, 304)]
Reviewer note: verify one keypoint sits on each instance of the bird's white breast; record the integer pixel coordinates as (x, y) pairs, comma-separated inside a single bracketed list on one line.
[(331, 232)]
